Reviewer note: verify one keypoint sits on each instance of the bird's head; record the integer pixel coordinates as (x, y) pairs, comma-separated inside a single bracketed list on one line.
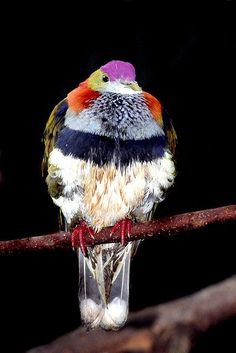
[(116, 76)]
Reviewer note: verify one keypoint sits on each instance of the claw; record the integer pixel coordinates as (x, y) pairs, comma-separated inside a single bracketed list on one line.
[(78, 235), (124, 227)]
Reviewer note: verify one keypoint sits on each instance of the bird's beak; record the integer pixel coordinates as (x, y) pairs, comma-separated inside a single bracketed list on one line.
[(132, 84)]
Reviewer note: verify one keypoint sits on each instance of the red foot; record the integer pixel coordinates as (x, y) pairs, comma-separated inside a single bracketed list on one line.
[(124, 227), (78, 234)]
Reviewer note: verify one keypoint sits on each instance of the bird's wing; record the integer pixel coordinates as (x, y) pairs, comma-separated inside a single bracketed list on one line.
[(53, 126), (161, 116), (170, 133)]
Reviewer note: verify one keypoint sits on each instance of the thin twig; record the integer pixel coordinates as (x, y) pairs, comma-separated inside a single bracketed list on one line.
[(164, 226)]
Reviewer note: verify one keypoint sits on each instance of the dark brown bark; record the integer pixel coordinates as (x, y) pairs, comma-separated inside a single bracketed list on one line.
[(164, 226), (167, 328)]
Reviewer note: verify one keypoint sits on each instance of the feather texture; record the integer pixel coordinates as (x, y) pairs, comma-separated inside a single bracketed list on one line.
[(53, 127), (81, 97)]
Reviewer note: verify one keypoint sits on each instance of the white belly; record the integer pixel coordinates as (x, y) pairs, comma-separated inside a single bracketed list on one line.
[(107, 194)]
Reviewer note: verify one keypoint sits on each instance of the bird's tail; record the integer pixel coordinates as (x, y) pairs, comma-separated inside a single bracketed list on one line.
[(104, 285)]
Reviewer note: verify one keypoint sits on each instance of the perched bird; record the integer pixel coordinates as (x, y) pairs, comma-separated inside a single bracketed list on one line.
[(109, 159)]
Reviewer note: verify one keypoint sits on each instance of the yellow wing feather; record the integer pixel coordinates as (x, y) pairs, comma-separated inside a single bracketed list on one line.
[(54, 124)]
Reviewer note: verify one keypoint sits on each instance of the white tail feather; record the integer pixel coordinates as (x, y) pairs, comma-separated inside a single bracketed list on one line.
[(104, 285)]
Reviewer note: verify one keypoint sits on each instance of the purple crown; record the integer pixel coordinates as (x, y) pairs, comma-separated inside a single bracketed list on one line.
[(117, 69)]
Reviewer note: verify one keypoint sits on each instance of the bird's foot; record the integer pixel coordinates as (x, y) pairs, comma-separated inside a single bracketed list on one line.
[(124, 227), (78, 237)]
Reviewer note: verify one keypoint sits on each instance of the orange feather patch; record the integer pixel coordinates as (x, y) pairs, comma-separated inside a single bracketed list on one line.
[(81, 97), (154, 106)]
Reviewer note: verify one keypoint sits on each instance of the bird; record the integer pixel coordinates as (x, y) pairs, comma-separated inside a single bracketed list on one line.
[(108, 162)]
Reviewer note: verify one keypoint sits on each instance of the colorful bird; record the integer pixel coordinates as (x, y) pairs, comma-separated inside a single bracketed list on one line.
[(109, 160)]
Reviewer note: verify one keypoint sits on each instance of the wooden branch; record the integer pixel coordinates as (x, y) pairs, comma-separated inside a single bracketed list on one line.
[(164, 226), (167, 328)]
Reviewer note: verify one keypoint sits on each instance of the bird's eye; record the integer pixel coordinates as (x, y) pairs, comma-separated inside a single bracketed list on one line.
[(105, 78)]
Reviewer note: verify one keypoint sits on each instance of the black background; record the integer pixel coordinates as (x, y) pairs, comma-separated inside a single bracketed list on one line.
[(185, 56)]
